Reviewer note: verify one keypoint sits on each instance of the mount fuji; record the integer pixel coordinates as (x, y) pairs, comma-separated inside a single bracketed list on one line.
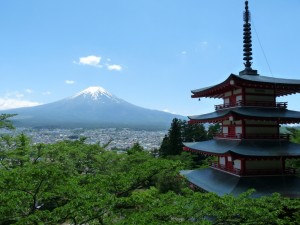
[(91, 108)]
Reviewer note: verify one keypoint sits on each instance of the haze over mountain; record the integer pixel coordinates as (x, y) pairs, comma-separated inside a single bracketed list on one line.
[(91, 108)]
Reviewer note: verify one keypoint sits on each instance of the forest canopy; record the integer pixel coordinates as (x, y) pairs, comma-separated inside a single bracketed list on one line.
[(77, 183)]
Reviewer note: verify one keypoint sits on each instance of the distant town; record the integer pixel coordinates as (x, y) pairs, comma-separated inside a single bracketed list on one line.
[(118, 138)]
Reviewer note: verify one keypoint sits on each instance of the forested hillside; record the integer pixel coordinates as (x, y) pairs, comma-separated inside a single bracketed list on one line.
[(72, 182)]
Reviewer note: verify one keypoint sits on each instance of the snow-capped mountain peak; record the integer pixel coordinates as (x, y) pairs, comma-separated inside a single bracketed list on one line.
[(93, 107), (96, 93)]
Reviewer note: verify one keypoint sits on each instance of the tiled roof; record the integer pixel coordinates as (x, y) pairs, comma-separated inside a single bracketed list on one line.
[(248, 112), (221, 183), (251, 148), (282, 85)]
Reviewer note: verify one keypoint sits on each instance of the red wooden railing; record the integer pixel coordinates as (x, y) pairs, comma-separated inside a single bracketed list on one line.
[(288, 171), (229, 136), (252, 103), (223, 167), (253, 136), (268, 136)]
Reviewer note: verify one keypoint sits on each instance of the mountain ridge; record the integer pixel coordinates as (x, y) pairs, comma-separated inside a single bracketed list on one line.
[(92, 108)]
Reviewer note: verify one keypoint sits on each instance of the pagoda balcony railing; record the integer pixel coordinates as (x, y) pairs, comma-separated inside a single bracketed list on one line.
[(253, 104), (289, 171), (232, 170), (252, 172), (253, 136), (228, 136)]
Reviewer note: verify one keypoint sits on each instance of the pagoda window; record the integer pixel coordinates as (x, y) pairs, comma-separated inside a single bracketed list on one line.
[(237, 164), (222, 161), (238, 130), (226, 100), (239, 98), (225, 130)]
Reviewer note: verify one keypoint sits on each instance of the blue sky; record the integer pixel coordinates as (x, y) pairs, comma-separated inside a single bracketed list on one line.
[(150, 53)]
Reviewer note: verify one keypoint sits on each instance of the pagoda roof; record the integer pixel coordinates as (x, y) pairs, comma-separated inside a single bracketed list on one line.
[(258, 113), (249, 148), (281, 85), (221, 183)]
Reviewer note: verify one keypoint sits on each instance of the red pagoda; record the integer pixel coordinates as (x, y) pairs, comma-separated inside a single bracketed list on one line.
[(250, 151)]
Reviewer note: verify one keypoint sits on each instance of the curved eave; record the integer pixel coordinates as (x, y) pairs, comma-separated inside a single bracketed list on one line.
[(214, 91), (255, 113), (245, 148), (210, 117), (282, 86)]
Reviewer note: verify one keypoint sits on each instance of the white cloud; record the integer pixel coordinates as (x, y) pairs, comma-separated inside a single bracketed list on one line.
[(14, 94), (10, 103), (114, 67), (91, 60), (183, 52), (168, 111), (47, 93), (29, 91), (69, 81)]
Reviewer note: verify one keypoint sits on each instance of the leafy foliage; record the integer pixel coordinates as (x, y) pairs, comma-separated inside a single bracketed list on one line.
[(295, 137), (5, 122), (181, 131), (172, 143), (76, 183), (71, 182)]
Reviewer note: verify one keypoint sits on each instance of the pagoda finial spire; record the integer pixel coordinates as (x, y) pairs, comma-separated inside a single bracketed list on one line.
[(247, 43)]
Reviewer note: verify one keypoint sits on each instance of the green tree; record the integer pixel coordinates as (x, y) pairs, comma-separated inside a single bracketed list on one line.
[(181, 131), (5, 122), (175, 137), (135, 148), (164, 147), (77, 183), (294, 137), (172, 143), (213, 130), (193, 132), (73, 182)]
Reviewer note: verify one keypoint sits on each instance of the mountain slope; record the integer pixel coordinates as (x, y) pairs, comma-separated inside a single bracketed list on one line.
[(92, 107)]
